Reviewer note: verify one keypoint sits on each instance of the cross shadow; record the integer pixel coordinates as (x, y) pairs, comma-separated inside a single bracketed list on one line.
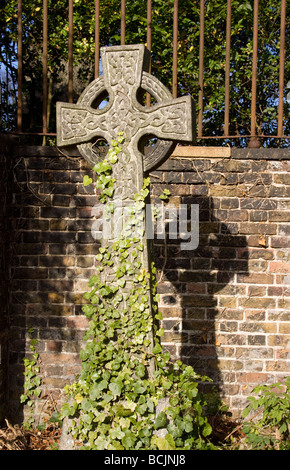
[(198, 292)]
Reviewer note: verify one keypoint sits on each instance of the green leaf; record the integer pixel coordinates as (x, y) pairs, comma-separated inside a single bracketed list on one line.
[(160, 421), (116, 433), (157, 349), (129, 440), (41, 426), (207, 430), (140, 370), (97, 388), (102, 167), (109, 191), (87, 180), (115, 388), (87, 405)]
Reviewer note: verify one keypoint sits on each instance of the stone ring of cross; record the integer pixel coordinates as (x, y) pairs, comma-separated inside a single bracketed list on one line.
[(125, 76)]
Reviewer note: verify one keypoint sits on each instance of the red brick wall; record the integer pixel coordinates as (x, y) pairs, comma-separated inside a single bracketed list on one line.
[(225, 305)]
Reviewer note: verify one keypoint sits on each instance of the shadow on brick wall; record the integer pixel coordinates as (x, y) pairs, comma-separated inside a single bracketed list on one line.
[(198, 290)]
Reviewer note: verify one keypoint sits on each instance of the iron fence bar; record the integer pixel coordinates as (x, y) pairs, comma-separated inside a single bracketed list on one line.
[(19, 59), (97, 37), (44, 69), (200, 72), (281, 67), (123, 21), (254, 68), (70, 51), (149, 42), (175, 47), (227, 70)]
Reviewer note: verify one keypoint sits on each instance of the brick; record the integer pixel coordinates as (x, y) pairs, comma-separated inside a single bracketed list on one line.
[(279, 191), (279, 216), (89, 200), (58, 224), (56, 286), (30, 273), (258, 203), (256, 353), (278, 366), (284, 230), (229, 203), (253, 228), (58, 237), (227, 302), (279, 267), (254, 340), (282, 178), (57, 212), (280, 242), (252, 378), (284, 328), (198, 301), (225, 191), (61, 200), (258, 216), (255, 278), (227, 365), (263, 253), (278, 340), (256, 291), (256, 302), (56, 261)]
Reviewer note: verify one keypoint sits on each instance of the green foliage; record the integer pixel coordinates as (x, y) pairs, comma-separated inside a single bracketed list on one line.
[(165, 195), (162, 57), (271, 431), (125, 371), (32, 378)]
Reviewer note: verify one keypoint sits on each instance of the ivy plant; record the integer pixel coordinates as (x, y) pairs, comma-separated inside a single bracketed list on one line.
[(126, 374), (32, 379), (271, 430)]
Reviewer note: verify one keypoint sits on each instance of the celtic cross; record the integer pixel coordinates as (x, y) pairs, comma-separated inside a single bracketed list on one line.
[(124, 75)]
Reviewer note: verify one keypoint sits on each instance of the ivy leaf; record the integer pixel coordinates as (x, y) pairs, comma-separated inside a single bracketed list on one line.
[(140, 370), (115, 388), (129, 440), (166, 443), (109, 191), (157, 349), (160, 421), (102, 167), (121, 282), (116, 433), (97, 388), (207, 430), (87, 180), (87, 405)]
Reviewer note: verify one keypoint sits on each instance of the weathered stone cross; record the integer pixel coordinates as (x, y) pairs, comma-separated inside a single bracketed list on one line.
[(170, 120), (124, 74)]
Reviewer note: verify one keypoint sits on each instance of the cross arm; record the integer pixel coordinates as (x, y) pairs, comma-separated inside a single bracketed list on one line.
[(170, 120), (77, 124)]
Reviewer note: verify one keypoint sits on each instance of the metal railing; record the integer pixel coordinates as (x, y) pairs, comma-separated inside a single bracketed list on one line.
[(227, 77)]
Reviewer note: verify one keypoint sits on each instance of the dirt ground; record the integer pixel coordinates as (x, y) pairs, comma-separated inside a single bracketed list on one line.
[(18, 438)]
